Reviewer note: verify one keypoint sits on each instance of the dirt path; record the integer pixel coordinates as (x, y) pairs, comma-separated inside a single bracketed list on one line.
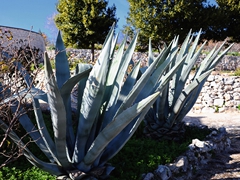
[(224, 166)]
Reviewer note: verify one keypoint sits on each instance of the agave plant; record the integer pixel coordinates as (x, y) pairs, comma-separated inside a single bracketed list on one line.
[(165, 118), (110, 108)]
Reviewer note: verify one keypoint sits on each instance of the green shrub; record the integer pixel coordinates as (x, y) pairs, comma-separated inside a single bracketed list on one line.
[(237, 72)]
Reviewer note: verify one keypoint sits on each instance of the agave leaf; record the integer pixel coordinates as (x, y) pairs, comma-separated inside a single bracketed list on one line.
[(48, 167), (115, 127), (122, 72), (162, 62), (28, 126), (70, 83), (43, 130), (119, 141), (150, 53), (161, 106), (109, 34), (114, 43), (27, 93), (61, 62), (158, 73), (129, 83), (187, 67), (185, 46), (124, 135), (219, 57), (116, 86), (92, 100), (114, 66), (31, 129), (58, 114), (81, 85), (62, 75), (186, 92)]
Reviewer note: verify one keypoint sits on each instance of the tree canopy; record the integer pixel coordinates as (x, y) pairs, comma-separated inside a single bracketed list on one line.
[(84, 22), (162, 20), (229, 11)]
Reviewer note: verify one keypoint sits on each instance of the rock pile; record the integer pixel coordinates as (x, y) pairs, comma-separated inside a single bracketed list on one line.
[(198, 155), (220, 93)]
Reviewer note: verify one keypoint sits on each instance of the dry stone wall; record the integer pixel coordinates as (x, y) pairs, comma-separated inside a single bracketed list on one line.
[(220, 93), (11, 39)]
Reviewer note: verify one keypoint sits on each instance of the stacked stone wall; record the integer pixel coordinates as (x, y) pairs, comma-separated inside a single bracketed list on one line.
[(11, 39)]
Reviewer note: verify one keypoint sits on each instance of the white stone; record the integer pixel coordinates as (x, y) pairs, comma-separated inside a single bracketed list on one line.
[(208, 110), (218, 102), (229, 103), (221, 110), (236, 90), (228, 88), (228, 81), (211, 78), (227, 97), (236, 97)]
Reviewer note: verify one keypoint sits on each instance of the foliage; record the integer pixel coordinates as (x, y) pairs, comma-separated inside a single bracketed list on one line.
[(108, 113), (163, 20), (233, 53), (84, 22), (229, 16), (237, 72), (164, 120)]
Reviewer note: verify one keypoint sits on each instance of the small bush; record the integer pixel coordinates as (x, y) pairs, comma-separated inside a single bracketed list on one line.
[(237, 72)]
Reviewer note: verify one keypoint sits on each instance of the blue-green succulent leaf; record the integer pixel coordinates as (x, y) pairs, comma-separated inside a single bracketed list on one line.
[(28, 93), (58, 115), (43, 130), (115, 127), (61, 62), (92, 100)]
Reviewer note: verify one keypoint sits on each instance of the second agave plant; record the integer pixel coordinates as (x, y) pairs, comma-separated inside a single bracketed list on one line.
[(165, 118)]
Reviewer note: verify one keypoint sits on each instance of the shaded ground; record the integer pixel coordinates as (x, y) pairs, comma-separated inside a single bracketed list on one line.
[(224, 166)]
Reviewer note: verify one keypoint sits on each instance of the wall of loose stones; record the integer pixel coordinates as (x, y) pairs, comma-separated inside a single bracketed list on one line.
[(13, 38), (220, 93)]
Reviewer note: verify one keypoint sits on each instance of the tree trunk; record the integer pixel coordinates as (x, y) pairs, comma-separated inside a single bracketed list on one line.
[(92, 51)]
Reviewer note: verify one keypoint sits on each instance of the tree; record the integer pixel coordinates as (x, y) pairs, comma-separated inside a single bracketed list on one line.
[(84, 22), (229, 11), (163, 19)]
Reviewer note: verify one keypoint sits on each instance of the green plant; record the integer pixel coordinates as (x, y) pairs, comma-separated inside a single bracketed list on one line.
[(109, 109), (164, 119), (237, 72), (238, 107), (233, 53)]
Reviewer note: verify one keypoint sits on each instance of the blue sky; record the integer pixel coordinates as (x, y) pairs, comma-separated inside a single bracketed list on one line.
[(35, 14)]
